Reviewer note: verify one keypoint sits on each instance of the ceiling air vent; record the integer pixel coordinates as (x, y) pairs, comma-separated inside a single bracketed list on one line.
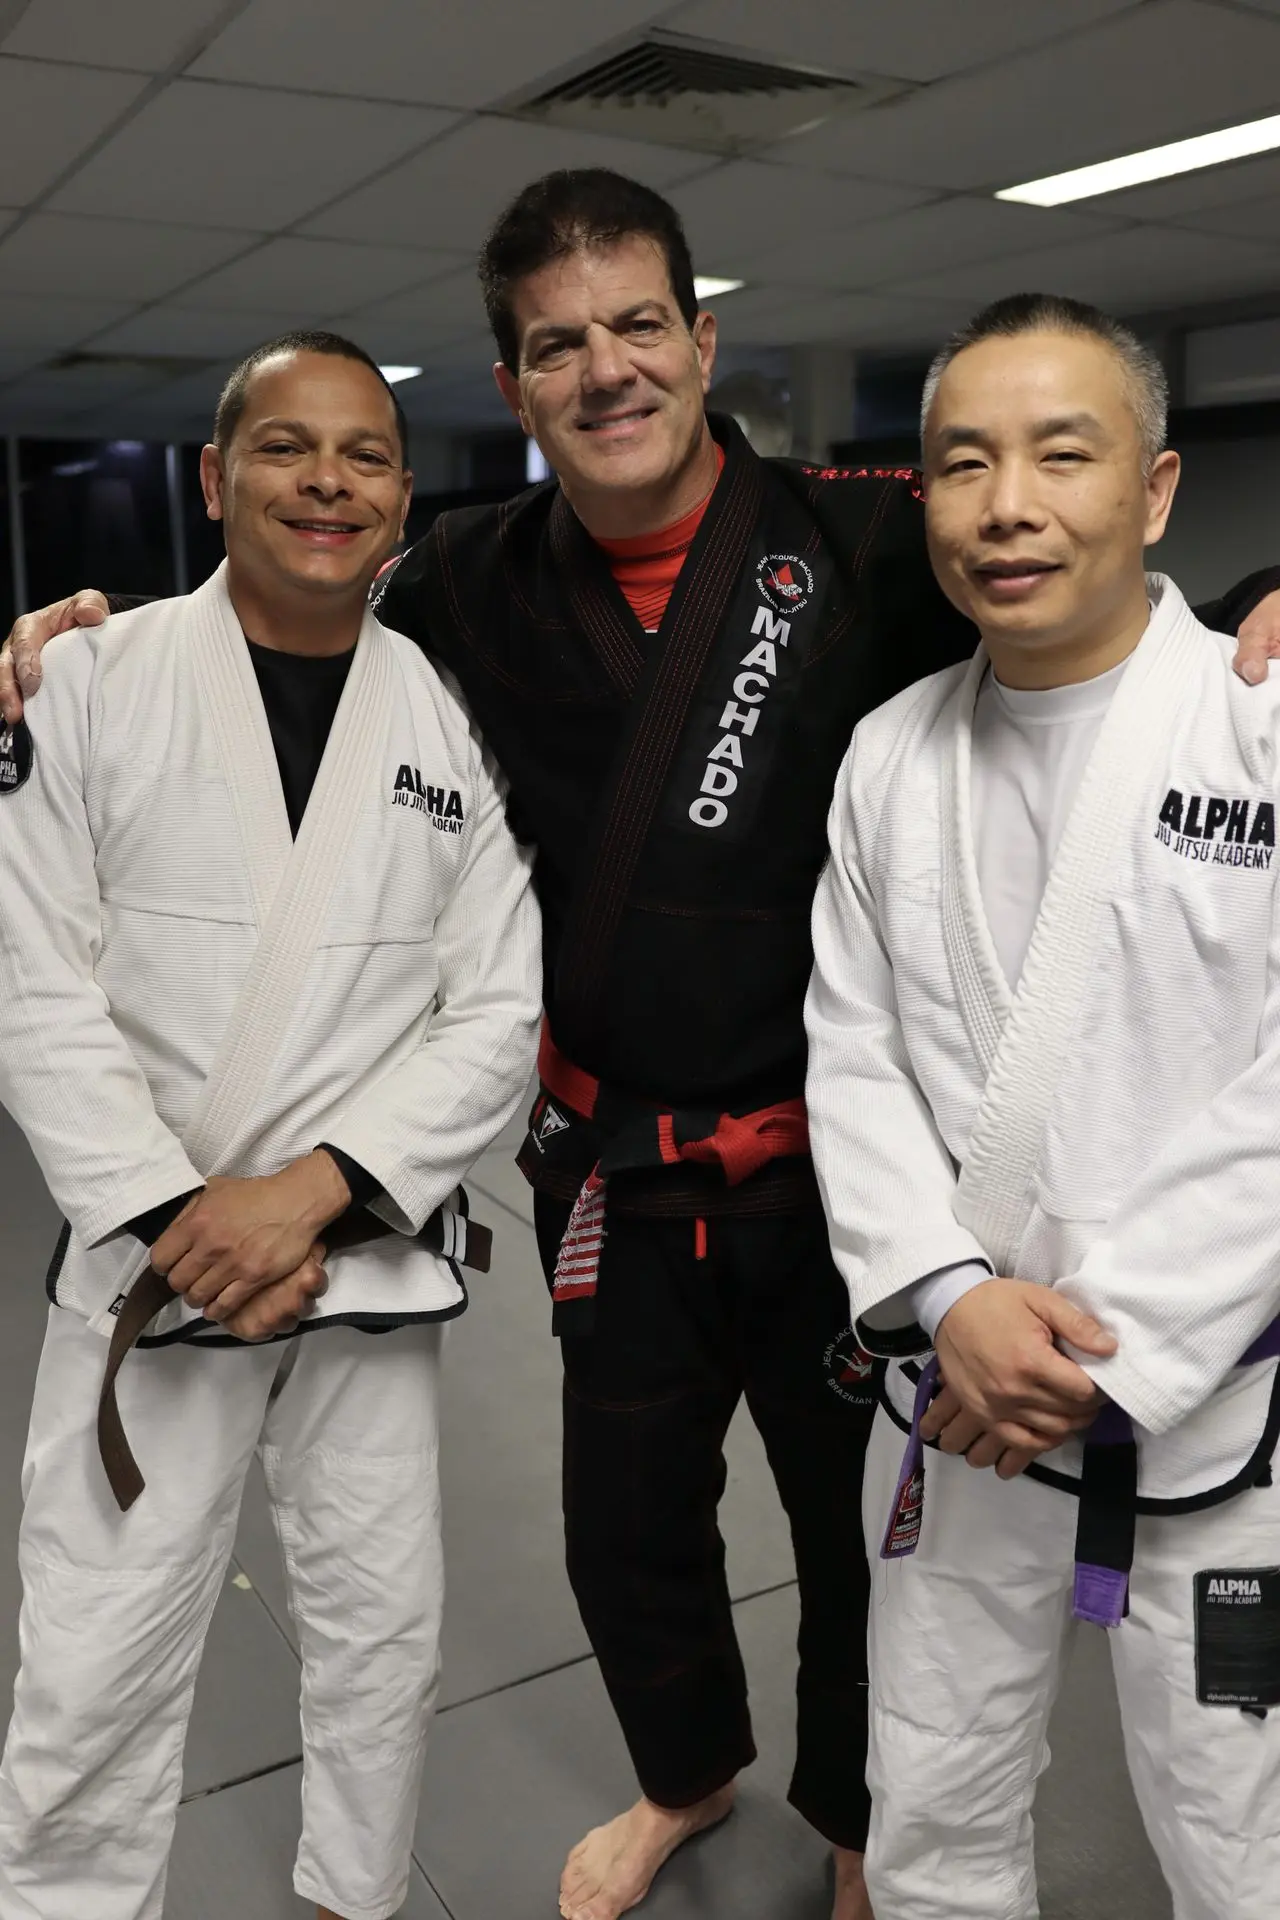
[(679, 92)]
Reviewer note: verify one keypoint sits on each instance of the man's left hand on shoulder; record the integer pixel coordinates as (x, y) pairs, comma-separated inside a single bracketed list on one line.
[(240, 1236), (1259, 640)]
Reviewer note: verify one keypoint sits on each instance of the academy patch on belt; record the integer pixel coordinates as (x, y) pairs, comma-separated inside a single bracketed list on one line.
[(15, 757)]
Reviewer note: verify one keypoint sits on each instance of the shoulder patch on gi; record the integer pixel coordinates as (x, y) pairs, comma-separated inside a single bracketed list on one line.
[(16, 754)]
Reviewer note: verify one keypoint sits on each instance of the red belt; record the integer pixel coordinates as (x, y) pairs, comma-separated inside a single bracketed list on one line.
[(740, 1144)]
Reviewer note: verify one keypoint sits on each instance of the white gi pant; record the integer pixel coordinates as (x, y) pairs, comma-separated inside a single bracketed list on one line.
[(116, 1606), (967, 1639)]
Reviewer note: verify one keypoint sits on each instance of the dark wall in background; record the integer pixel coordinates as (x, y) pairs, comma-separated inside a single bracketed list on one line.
[(95, 512)]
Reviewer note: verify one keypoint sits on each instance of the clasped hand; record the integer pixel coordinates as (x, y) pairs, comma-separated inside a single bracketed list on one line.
[(1008, 1393), (247, 1251)]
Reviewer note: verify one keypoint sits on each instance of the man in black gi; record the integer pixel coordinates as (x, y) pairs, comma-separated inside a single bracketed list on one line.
[(668, 649)]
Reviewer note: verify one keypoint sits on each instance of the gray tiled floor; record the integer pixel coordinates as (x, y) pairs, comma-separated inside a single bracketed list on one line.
[(525, 1754)]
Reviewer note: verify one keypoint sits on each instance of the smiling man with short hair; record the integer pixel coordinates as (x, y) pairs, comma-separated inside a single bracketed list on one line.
[(1045, 1088), (246, 994)]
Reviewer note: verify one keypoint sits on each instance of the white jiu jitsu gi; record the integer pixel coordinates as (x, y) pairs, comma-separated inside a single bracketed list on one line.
[(186, 990), (1110, 1128)]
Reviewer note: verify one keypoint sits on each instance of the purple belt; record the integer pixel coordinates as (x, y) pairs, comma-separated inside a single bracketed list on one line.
[(1108, 1497)]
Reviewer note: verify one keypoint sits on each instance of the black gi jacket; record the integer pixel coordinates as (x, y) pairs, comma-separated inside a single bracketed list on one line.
[(676, 786)]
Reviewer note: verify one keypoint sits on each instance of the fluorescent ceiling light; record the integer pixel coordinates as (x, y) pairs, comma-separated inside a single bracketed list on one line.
[(1157, 163), (394, 375), (707, 287)]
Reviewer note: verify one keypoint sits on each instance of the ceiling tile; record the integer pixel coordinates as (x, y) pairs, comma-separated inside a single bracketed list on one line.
[(1159, 72), (1255, 220), (53, 323), (50, 114), (179, 331), (315, 276), (453, 303), (403, 50), (16, 360), (1186, 193), (144, 35), (70, 389), (748, 206), (129, 260), (853, 320), (219, 156), (915, 39), (447, 196), (1137, 269), (944, 233)]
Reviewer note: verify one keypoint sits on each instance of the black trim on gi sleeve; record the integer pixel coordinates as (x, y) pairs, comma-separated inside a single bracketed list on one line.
[(148, 1226), (364, 1188)]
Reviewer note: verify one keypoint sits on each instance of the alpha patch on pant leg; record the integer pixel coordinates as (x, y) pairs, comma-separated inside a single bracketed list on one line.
[(1238, 1637)]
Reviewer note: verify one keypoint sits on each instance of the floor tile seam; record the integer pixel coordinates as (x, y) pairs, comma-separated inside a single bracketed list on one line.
[(521, 1680), (582, 1659), (267, 1608), (762, 1593), (241, 1779), (473, 1183), (445, 1908)]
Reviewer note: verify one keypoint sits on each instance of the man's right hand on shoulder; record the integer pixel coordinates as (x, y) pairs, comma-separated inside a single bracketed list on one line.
[(997, 1348), (20, 657)]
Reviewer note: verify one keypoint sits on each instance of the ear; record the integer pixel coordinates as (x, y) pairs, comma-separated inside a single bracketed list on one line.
[(509, 388), (406, 500), (704, 339), (213, 480), (1162, 484)]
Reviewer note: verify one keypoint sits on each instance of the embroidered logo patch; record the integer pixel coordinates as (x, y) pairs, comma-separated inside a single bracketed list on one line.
[(1218, 832), (546, 1123), (903, 1536), (442, 805), (15, 757), (785, 581), (850, 1369)]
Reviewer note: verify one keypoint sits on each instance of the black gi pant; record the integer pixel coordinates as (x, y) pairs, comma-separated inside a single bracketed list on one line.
[(648, 1396)]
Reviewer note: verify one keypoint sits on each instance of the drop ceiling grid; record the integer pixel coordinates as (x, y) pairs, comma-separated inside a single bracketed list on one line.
[(346, 172)]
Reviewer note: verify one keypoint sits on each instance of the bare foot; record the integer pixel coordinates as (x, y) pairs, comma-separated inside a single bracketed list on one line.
[(851, 1889), (613, 1869)]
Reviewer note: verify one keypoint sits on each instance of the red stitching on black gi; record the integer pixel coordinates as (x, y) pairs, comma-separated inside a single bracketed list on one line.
[(697, 609), (835, 633), (599, 619), (512, 579)]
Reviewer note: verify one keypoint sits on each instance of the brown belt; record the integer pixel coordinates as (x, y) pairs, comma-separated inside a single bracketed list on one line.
[(151, 1291)]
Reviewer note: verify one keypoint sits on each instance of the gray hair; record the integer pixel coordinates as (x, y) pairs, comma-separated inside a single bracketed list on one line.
[(1055, 313)]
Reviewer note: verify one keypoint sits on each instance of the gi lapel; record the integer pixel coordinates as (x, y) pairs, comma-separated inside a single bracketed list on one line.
[(981, 988), (996, 1187), (295, 892), (662, 689), (599, 610)]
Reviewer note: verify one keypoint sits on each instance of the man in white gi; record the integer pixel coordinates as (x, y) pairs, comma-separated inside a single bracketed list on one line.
[(268, 949), (1045, 1093)]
